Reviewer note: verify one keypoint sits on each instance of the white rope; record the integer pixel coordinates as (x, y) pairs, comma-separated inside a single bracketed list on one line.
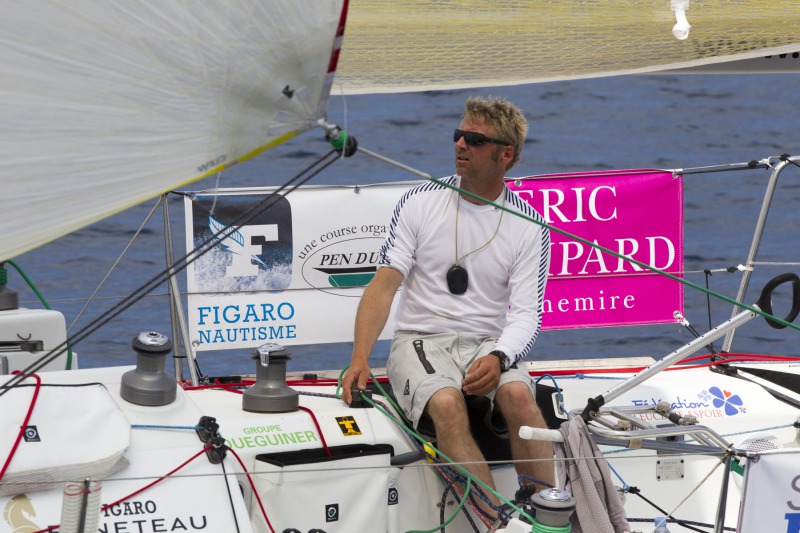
[(672, 513)]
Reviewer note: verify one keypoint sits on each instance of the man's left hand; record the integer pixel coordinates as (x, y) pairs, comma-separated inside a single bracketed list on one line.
[(482, 377)]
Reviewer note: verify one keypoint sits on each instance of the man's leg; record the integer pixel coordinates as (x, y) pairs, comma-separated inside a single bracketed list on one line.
[(448, 411), (532, 457)]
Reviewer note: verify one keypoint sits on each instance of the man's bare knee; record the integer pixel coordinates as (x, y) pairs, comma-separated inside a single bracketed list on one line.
[(518, 405), (447, 409), (515, 396)]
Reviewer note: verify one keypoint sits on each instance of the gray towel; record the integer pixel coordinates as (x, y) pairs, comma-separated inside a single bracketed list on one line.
[(599, 508)]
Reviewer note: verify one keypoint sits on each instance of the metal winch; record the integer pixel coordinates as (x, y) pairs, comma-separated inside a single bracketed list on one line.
[(270, 393)]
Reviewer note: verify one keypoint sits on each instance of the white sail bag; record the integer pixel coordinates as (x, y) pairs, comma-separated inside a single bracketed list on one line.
[(75, 432)]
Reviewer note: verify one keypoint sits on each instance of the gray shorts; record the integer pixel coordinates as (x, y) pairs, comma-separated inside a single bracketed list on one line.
[(422, 363)]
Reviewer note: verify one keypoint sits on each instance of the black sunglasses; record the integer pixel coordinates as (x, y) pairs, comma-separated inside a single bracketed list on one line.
[(473, 138)]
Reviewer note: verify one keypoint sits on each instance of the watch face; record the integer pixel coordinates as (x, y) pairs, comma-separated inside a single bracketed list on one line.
[(505, 362)]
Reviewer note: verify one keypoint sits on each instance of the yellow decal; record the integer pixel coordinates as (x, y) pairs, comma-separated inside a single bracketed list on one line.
[(15, 514), (348, 426)]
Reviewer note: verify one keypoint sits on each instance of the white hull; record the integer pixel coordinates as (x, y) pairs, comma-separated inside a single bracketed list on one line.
[(110, 104), (299, 496), (324, 465)]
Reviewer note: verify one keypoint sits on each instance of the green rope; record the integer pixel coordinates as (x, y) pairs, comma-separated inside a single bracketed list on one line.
[(3, 277), (438, 452), (30, 284), (380, 389), (422, 441)]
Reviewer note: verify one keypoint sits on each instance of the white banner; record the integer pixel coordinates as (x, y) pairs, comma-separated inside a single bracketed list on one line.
[(771, 499), (293, 274)]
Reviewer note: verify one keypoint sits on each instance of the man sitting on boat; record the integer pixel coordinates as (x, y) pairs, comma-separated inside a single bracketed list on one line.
[(473, 280)]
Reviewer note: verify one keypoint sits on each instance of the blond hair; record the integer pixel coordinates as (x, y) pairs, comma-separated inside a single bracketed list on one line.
[(505, 118)]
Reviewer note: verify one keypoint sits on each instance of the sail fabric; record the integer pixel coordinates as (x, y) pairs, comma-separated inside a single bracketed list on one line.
[(415, 45), (107, 104)]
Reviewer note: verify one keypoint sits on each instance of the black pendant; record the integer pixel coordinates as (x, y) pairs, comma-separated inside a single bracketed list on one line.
[(457, 279)]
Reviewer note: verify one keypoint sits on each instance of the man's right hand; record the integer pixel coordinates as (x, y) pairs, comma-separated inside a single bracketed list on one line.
[(355, 377), (371, 317)]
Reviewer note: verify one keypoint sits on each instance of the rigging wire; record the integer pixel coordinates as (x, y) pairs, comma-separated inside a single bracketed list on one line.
[(113, 266), (719, 168), (618, 255), (707, 291), (451, 480), (684, 523), (258, 291), (696, 488), (634, 490), (158, 480), (455, 512), (321, 164), (147, 288), (708, 309)]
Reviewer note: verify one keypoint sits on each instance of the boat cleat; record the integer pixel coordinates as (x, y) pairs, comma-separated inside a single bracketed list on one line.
[(217, 451), (358, 401), (208, 432), (207, 428)]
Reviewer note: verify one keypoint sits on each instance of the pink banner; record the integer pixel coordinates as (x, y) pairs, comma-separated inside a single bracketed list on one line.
[(635, 213)]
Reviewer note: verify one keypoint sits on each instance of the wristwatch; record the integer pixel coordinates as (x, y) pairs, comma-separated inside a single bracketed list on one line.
[(505, 362)]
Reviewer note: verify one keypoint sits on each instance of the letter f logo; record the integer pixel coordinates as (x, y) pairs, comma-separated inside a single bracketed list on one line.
[(245, 244), (245, 257)]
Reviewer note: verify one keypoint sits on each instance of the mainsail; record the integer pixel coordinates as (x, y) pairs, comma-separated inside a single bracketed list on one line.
[(415, 45), (107, 104)]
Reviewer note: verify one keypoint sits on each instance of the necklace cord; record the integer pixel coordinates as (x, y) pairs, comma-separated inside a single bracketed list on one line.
[(496, 230)]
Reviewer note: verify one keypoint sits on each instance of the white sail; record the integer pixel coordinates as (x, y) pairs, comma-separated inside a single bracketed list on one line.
[(416, 45), (107, 104)]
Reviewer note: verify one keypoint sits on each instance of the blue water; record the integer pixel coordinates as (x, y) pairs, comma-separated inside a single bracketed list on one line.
[(664, 121)]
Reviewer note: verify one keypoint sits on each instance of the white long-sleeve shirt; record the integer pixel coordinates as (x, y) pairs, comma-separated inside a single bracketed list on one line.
[(506, 277)]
